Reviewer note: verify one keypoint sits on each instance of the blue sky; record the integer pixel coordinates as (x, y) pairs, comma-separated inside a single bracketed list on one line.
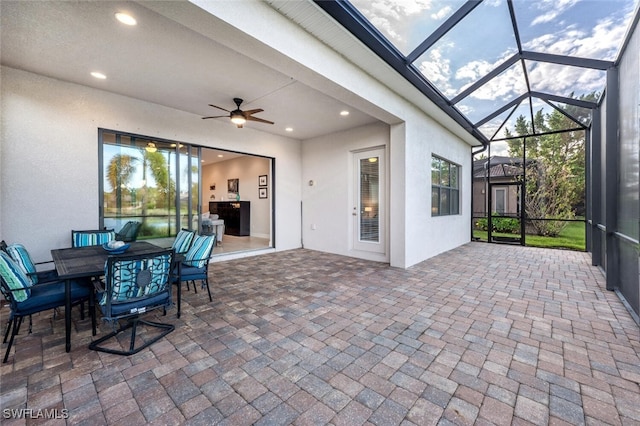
[(591, 29)]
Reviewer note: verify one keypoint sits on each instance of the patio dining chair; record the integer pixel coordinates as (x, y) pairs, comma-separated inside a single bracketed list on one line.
[(195, 266), (129, 232), (22, 258), (134, 285), (27, 299), (91, 237)]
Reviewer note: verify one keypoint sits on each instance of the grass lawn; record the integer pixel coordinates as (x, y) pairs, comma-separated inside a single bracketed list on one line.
[(572, 237)]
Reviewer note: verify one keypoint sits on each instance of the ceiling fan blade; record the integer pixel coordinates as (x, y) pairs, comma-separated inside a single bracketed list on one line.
[(215, 116), (252, 111), (250, 118), (215, 106)]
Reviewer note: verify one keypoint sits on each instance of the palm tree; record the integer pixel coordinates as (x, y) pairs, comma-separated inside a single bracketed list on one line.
[(122, 167), (119, 172)]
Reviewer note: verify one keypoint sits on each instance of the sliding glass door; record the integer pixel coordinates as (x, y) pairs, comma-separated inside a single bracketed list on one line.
[(151, 181)]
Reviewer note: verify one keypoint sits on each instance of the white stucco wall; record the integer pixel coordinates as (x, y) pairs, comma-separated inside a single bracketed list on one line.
[(49, 162), (427, 236), (327, 204), (413, 234)]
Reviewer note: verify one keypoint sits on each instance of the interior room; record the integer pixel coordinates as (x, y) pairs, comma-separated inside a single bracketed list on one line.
[(220, 169)]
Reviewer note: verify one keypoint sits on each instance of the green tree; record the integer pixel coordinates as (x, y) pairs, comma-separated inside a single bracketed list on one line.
[(121, 169), (555, 169), (119, 172)]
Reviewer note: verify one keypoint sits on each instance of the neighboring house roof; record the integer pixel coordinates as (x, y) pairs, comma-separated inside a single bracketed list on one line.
[(498, 166)]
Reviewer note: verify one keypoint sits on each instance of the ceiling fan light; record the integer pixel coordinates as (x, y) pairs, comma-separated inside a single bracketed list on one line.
[(238, 119), (126, 19)]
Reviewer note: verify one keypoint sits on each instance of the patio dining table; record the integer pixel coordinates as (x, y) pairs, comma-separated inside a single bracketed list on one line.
[(87, 262)]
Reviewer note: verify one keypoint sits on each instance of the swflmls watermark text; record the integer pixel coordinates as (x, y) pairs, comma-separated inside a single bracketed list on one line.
[(31, 413)]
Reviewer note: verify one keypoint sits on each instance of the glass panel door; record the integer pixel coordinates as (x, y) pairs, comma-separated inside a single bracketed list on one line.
[(505, 222), (370, 199), (139, 183), (500, 200), (368, 209)]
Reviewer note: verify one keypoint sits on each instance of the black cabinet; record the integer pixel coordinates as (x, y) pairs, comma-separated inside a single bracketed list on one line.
[(236, 216)]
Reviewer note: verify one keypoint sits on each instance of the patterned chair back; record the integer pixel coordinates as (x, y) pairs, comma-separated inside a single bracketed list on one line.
[(137, 283), (92, 237)]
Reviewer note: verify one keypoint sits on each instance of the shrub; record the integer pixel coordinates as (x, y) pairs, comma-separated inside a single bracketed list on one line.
[(499, 224)]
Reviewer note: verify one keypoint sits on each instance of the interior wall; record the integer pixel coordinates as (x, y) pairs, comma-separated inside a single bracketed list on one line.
[(246, 170), (49, 169)]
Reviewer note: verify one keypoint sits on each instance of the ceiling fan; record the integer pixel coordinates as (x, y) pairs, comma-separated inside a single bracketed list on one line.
[(239, 117)]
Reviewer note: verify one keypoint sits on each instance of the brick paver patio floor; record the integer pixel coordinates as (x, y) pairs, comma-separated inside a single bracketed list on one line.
[(483, 334)]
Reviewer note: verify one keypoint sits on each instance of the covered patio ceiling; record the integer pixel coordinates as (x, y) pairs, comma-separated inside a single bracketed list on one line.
[(486, 63)]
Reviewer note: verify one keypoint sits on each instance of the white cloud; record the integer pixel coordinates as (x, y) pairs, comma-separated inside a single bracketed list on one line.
[(390, 16), (508, 84), (441, 14), (551, 9), (565, 79), (437, 69), (505, 86), (465, 109), (473, 70), (600, 42)]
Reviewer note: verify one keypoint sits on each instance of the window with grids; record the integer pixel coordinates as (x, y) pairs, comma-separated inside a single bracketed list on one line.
[(445, 189)]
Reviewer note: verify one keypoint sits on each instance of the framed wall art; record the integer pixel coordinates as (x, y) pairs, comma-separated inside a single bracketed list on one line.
[(233, 186)]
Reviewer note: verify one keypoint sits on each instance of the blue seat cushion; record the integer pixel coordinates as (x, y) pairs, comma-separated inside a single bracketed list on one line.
[(189, 273), (52, 295), (131, 307)]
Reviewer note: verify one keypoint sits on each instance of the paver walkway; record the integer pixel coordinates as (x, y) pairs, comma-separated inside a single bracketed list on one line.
[(483, 334)]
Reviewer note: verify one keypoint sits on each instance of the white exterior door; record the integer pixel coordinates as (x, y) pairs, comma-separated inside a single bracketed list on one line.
[(368, 210)]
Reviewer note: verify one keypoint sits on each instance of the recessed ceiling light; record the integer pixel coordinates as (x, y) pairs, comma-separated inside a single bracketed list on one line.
[(98, 75), (220, 155), (289, 129), (344, 113), (126, 18)]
